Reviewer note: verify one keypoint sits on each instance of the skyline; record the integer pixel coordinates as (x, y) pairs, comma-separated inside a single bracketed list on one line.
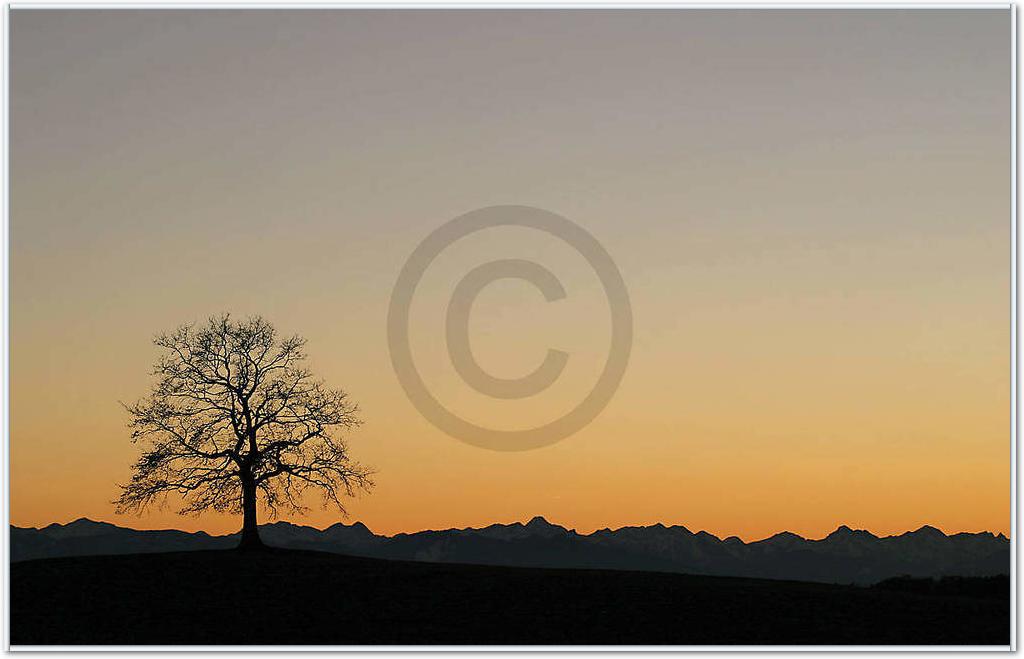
[(811, 213), (124, 523)]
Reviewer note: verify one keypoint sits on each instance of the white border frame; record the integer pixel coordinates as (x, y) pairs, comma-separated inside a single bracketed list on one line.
[(500, 4)]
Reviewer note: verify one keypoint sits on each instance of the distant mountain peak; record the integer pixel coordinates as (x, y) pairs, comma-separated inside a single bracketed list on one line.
[(79, 523), (284, 525), (844, 532), (538, 526), (353, 525), (784, 535), (81, 527), (928, 531)]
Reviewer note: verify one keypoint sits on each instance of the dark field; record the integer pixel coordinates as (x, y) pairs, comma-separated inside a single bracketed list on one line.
[(295, 598)]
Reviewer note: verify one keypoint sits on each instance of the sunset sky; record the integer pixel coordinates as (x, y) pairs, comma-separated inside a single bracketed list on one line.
[(810, 210)]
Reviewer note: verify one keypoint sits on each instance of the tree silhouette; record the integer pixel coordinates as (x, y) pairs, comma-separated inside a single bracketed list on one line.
[(234, 416)]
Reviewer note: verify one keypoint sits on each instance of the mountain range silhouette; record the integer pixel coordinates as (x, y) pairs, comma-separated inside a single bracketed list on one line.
[(844, 556)]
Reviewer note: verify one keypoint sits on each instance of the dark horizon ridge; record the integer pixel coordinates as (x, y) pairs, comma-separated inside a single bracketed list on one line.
[(843, 556), (842, 528)]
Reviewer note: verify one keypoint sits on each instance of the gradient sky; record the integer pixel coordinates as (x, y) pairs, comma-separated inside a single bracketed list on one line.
[(810, 210)]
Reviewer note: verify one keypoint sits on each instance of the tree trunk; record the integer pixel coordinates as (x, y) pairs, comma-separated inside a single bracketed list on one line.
[(250, 530)]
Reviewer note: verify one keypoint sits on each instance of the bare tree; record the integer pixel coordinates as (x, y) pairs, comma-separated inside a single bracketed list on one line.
[(235, 416)]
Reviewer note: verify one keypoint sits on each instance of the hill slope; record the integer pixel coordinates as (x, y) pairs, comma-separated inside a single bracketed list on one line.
[(845, 556), (293, 598)]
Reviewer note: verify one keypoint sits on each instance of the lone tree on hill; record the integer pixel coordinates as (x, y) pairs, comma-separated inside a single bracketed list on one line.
[(235, 417)]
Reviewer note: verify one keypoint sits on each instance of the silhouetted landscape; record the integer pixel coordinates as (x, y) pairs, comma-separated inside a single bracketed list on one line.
[(845, 556), (278, 596), (716, 266)]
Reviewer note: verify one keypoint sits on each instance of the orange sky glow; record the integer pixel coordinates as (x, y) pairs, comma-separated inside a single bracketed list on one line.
[(811, 215)]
